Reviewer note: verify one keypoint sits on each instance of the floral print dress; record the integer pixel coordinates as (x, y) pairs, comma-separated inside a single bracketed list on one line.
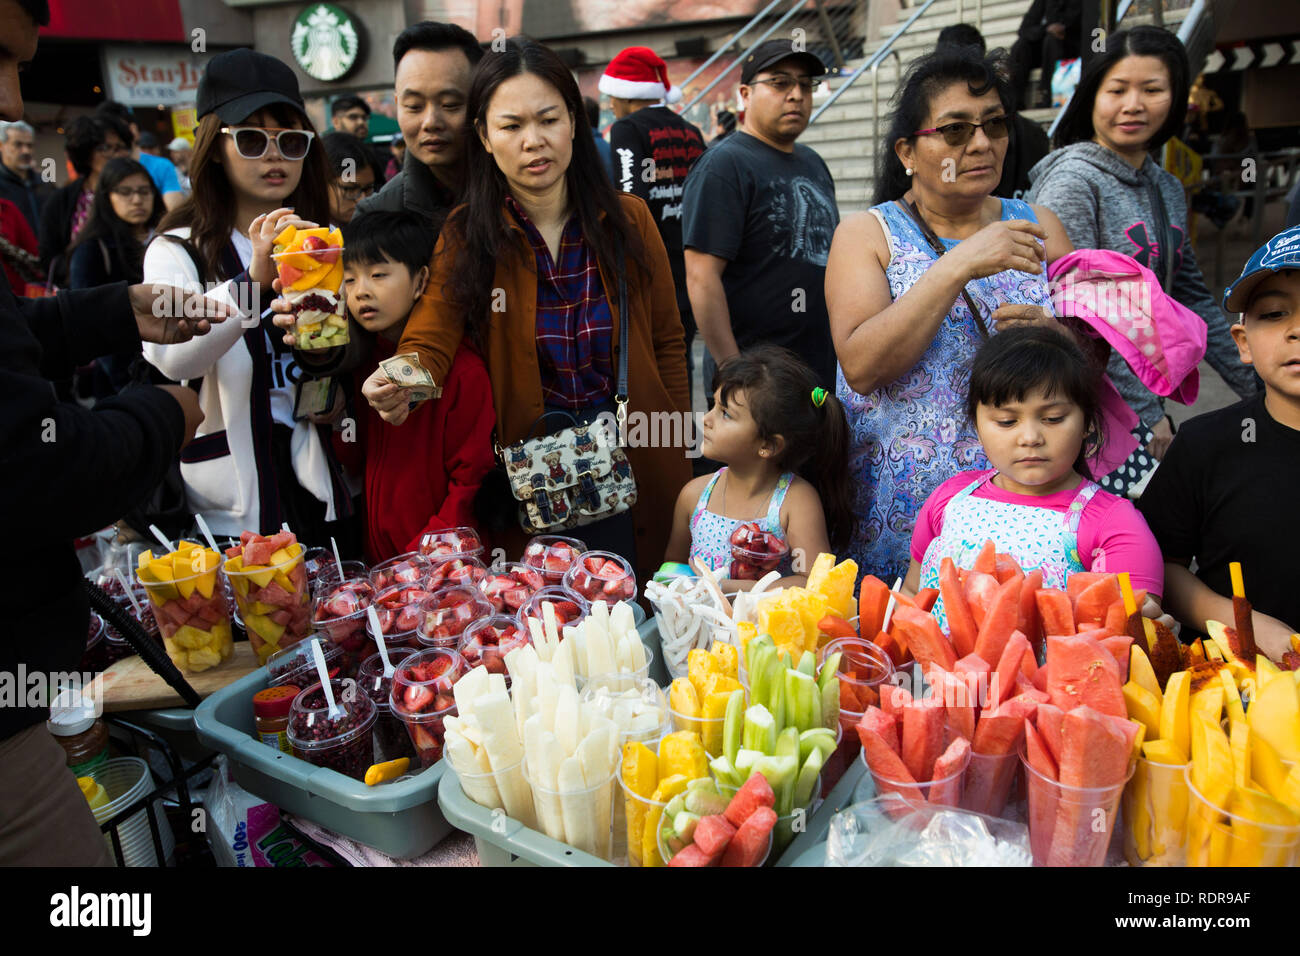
[(908, 437)]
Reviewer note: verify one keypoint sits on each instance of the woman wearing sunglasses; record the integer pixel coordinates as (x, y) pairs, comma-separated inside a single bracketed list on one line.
[(914, 286), (1103, 183), (110, 248), (256, 168)]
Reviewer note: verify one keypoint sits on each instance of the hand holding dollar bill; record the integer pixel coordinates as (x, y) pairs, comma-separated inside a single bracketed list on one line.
[(405, 371)]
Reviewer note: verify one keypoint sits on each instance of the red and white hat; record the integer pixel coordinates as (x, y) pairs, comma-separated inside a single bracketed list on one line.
[(638, 73)]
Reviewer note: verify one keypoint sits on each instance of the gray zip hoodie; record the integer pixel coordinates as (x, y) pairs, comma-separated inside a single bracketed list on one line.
[(1104, 203)]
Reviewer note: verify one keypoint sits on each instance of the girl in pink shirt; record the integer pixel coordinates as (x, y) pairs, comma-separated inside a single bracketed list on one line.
[(1033, 401)]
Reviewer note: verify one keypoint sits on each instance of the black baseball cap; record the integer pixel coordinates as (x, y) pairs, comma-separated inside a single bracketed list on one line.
[(238, 83), (771, 52)]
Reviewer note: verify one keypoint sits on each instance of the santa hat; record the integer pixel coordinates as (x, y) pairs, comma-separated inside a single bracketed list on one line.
[(638, 73)]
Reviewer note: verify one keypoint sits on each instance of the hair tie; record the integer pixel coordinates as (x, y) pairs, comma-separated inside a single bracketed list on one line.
[(819, 396)]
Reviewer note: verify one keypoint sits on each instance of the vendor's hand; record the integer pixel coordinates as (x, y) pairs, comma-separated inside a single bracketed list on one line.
[(188, 399), (166, 314), (392, 402), (1272, 637), (999, 246), (1057, 30), (262, 231), (1009, 316), (1163, 433)]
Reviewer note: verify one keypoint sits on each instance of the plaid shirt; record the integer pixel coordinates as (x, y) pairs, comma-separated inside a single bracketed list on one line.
[(574, 325)]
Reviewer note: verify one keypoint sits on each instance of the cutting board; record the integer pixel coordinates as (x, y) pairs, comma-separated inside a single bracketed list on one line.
[(131, 685)]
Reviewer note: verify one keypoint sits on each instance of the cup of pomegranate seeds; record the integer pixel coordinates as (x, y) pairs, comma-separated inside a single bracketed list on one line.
[(344, 743)]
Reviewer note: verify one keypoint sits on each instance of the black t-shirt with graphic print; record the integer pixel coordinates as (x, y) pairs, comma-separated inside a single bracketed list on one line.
[(771, 215)]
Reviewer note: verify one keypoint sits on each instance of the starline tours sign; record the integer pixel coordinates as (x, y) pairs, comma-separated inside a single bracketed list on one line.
[(326, 42), (153, 76)]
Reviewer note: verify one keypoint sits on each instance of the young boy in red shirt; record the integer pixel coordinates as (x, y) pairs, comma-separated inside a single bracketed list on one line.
[(423, 475)]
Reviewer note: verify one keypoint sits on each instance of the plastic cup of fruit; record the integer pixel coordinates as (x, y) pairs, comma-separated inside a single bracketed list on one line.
[(195, 627), (1056, 808), (116, 646), (95, 657), (447, 613), (1155, 814), (461, 542), (570, 606), (274, 616), (323, 571), (509, 585), (391, 739), (553, 555), (488, 640), (296, 665), (602, 576), (1218, 837), (710, 729), (584, 819), (344, 744), (399, 613), (643, 696), (666, 854), (636, 814), (456, 571), (408, 568), (422, 699), (340, 616), (319, 320)]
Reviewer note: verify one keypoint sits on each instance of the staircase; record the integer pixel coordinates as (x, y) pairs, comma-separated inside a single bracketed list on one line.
[(844, 136)]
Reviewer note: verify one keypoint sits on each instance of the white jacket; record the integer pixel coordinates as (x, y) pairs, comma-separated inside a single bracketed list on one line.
[(225, 488)]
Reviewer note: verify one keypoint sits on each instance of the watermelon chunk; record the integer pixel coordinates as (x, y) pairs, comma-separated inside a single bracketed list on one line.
[(873, 598), (750, 844), (980, 590), (713, 833), (1116, 617), (1004, 681), (1096, 754), (923, 726), (273, 593), (1080, 671), (890, 773), (924, 638), (925, 598), (1006, 567), (1079, 582), (948, 792), (753, 795), (1049, 720), (258, 552), (1043, 793), (1030, 624), (961, 623), (893, 699), (986, 562), (883, 724), (999, 621), (1055, 611), (1093, 602), (1038, 754), (960, 695), (1118, 645), (692, 855)]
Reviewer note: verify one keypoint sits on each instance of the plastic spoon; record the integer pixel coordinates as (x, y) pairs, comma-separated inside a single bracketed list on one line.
[(889, 608), (338, 562), (378, 634), (284, 526), (207, 533), (335, 711), (126, 587), (162, 538)]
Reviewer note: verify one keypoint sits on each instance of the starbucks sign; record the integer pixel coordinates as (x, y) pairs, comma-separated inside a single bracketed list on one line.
[(325, 41)]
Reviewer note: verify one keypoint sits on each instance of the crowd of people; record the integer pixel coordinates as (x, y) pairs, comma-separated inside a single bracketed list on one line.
[(896, 386)]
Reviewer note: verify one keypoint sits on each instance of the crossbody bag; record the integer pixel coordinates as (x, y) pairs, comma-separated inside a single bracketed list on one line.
[(937, 245)]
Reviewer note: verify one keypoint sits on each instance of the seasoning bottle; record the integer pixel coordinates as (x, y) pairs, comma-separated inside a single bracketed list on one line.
[(83, 738), (271, 715)]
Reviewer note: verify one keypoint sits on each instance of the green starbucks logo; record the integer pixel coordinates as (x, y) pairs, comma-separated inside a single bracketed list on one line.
[(325, 42)]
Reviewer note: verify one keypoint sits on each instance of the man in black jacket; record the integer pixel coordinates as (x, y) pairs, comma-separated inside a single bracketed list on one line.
[(18, 180), (67, 471), (1048, 33), (432, 64)]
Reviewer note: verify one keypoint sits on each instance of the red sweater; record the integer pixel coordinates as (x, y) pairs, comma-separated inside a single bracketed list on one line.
[(423, 474), (14, 227)]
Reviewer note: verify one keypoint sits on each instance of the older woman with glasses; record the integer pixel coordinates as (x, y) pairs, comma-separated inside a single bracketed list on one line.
[(914, 285)]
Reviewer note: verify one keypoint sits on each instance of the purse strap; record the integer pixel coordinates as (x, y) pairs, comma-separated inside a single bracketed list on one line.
[(937, 245), (624, 320), (1164, 236)]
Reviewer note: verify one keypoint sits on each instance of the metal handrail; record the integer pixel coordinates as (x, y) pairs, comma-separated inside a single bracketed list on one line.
[(879, 55), (979, 13), (727, 46), (875, 93), (1060, 114), (1191, 20), (794, 8)]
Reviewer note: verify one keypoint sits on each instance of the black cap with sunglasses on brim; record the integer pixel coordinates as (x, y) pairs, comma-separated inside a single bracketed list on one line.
[(238, 83), (772, 52)]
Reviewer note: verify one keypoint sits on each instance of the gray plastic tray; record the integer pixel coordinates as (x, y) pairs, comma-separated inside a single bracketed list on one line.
[(400, 818), (819, 824)]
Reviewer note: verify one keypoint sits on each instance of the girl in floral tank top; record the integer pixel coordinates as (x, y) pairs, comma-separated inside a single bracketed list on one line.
[(770, 424)]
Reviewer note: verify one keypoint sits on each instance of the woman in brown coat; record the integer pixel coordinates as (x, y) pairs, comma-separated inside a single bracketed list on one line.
[(528, 268)]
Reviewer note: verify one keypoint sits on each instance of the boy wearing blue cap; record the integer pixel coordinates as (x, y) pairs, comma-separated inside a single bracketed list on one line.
[(1225, 491)]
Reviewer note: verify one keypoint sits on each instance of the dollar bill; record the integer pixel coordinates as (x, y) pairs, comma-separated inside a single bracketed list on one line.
[(406, 371)]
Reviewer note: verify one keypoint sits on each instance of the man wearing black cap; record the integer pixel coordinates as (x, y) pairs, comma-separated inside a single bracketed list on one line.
[(67, 471), (758, 216)]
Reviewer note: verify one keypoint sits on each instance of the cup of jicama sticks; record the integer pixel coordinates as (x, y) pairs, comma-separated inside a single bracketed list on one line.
[(1070, 826), (1218, 837), (640, 711), (581, 815), (1155, 815)]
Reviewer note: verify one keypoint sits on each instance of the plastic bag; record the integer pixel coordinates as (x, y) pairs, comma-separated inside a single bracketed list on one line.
[(894, 831), (245, 830)]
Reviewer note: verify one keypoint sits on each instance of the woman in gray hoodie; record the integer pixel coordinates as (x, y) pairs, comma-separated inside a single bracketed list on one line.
[(1110, 194)]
